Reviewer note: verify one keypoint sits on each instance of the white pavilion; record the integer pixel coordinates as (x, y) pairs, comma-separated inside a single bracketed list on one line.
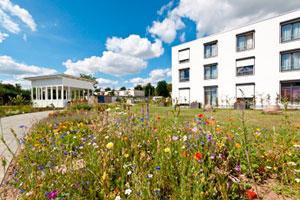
[(58, 90)]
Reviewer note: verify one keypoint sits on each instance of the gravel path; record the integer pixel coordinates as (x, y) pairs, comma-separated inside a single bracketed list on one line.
[(21, 124)]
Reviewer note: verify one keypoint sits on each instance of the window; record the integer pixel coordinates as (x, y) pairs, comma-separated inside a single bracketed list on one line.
[(290, 30), (211, 49), (246, 90), (210, 71), (49, 93), (291, 91), (211, 95), (184, 55), (184, 75), (245, 41), (290, 60), (184, 96), (245, 67)]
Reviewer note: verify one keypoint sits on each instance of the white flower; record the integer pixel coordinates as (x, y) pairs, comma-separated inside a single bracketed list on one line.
[(297, 180), (129, 173), (291, 164), (296, 145), (128, 191), (184, 138), (106, 137), (118, 198), (150, 175)]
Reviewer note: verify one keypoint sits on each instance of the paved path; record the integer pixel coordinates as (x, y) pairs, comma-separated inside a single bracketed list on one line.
[(21, 124)]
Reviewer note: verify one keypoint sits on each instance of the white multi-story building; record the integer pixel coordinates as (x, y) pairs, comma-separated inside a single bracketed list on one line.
[(259, 62)]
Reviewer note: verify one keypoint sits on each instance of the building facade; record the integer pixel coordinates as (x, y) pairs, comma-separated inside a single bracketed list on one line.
[(58, 90), (259, 63)]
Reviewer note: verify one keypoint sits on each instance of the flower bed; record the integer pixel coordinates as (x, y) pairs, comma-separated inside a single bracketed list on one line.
[(116, 154)]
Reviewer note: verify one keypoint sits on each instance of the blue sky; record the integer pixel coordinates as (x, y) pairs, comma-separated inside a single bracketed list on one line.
[(120, 42)]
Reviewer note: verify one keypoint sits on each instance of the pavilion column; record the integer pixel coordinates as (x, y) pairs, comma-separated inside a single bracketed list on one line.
[(31, 93), (62, 92), (69, 93), (36, 94)]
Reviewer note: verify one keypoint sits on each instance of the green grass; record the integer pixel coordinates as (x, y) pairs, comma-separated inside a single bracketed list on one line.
[(20, 109), (254, 118)]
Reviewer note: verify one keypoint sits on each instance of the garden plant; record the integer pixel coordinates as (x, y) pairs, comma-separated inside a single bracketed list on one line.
[(116, 152)]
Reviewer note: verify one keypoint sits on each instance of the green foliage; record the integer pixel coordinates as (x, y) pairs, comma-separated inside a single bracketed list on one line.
[(138, 87), (107, 89), (149, 90), (18, 100), (162, 89), (81, 106), (9, 92), (123, 88)]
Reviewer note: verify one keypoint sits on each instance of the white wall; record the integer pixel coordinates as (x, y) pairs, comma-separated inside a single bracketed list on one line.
[(267, 75)]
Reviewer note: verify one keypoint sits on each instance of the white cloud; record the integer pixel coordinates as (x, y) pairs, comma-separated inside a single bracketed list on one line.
[(7, 23), (108, 63), (167, 29), (155, 76), (123, 56), (3, 36), (8, 8), (136, 46), (103, 83), (11, 68), (216, 15)]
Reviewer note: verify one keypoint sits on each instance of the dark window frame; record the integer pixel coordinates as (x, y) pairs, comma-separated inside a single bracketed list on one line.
[(292, 66), (210, 44), (185, 60), (186, 79), (289, 22), (244, 34), (210, 66), (292, 84)]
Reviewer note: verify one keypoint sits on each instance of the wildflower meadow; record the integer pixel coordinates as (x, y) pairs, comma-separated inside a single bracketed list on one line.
[(117, 152)]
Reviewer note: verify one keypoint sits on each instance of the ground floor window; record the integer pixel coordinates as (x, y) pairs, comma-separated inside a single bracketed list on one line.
[(291, 91), (184, 96), (211, 95)]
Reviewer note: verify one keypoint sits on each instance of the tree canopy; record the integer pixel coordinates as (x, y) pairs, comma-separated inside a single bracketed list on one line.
[(162, 89)]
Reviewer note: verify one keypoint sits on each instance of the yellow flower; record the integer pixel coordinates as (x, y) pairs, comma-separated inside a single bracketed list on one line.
[(110, 145), (167, 150), (126, 155), (238, 145)]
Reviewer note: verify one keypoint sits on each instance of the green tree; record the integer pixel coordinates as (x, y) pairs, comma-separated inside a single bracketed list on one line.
[(138, 87), (170, 87), (162, 89), (123, 88), (149, 90), (107, 89)]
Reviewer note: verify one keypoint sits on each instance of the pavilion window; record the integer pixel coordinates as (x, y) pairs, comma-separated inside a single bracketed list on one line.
[(59, 93), (54, 92), (49, 93), (65, 94), (34, 93), (43, 93)]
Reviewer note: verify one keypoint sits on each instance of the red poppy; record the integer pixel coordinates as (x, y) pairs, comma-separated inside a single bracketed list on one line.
[(200, 115), (198, 156), (251, 194)]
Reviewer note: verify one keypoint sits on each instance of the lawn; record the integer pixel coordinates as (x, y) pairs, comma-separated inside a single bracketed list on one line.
[(113, 152), (254, 118)]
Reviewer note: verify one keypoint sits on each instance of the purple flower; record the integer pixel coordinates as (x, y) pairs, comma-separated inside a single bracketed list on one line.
[(212, 156), (22, 126), (52, 195), (157, 168), (238, 168), (209, 137)]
